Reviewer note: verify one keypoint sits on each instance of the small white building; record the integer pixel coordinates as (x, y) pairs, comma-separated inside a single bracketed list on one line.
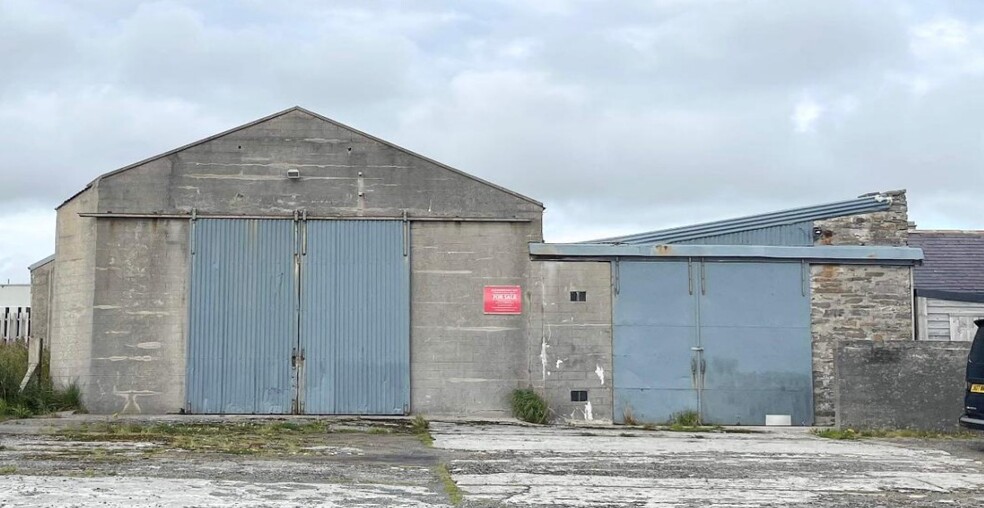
[(949, 285), (15, 311)]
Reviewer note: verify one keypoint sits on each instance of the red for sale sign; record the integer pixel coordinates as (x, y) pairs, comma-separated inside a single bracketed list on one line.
[(503, 300)]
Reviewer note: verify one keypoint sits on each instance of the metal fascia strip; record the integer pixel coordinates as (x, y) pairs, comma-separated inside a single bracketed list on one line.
[(870, 254)]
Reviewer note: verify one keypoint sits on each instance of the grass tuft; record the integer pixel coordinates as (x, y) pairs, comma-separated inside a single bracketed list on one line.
[(854, 435), (529, 406), (455, 495), (421, 427), (685, 419), (8, 470), (40, 396)]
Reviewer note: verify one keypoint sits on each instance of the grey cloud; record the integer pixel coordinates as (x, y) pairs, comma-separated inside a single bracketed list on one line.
[(647, 115)]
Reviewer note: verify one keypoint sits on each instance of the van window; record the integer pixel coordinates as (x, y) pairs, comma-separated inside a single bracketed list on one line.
[(977, 349), (975, 361)]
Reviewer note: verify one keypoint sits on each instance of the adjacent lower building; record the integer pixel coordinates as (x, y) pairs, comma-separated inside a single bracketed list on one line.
[(295, 265), (949, 284), (15, 312)]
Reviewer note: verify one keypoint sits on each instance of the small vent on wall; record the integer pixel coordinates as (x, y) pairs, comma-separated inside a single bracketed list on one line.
[(579, 296), (579, 396)]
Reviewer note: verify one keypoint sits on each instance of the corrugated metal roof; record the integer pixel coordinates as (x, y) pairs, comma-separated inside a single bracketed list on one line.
[(954, 260), (864, 204), (792, 235)]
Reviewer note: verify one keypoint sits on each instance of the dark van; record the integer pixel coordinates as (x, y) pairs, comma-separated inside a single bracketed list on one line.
[(973, 417)]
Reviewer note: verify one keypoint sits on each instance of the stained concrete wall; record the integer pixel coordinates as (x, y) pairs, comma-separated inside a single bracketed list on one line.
[(120, 311), (343, 173), (74, 290), (42, 278), (464, 362), (139, 317), (900, 385), (571, 342), (858, 302)]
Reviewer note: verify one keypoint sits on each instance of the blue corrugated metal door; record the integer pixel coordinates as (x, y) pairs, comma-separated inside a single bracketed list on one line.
[(730, 340), (242, 316), (755, 332), (355, 326), (654, 333)]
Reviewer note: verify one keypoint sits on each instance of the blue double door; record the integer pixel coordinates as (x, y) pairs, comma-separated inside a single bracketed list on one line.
[(304, 317), (728, 340)]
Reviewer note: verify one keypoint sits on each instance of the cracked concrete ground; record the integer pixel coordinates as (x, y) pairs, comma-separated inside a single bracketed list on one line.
[(788, 467), (494, 465)]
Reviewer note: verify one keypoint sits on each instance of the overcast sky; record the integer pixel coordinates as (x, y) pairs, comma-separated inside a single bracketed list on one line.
[(620, 116)]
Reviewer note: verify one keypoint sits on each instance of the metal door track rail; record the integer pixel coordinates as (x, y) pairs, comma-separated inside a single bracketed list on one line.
[(186, 216)]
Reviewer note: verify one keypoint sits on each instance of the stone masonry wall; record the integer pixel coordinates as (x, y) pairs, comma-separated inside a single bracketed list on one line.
[(571, 342), (851, 302)]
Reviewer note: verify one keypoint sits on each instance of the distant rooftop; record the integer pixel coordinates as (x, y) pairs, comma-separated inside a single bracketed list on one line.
[(954, 261)]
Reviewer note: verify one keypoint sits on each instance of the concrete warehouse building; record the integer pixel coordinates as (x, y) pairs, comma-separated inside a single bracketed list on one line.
[(296, 265)]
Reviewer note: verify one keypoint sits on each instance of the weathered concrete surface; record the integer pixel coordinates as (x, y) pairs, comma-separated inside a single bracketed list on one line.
[(911, 385), (571, 342), (353, 468), (517, 466), (139, 317), (71, 307), (495, 465), (42, 278), (343, 173), (463, 361)]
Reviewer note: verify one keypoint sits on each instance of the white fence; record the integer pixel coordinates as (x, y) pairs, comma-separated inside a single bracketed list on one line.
[(15, 323)]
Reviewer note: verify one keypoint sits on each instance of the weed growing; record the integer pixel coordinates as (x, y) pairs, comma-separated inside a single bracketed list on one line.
[(685, 419), (854, 435), (529, 406), (421, 427), (40, 395), (450, 487)]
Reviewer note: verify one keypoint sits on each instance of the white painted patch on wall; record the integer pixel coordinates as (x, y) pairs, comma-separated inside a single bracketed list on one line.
[(145, 345), (445, 272), (601, 374), (587, 412), (543, 357), (466, 380), (127, 358), (559, 363)]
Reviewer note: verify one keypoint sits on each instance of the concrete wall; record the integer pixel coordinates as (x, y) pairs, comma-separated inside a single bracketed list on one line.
[(913, 385), (343, 173), (120, 311), (464, 362), (858, 302), (139, 317), (42, 278), (571, 342), (71, 304)]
